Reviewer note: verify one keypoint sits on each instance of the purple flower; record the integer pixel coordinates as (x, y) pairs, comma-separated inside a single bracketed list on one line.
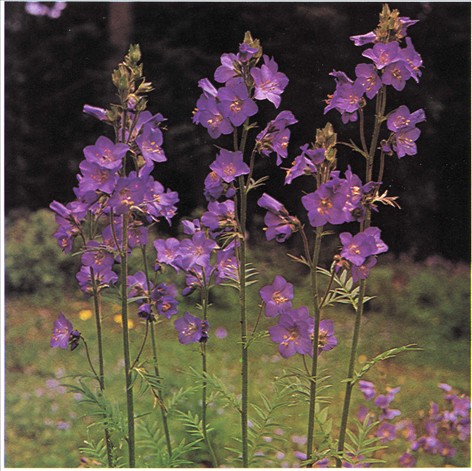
[(362, 272), (275, 136), (97, 257), (368, 389), (210, 117), (191, 329), (226, 266), (383, 54), (197, 250), (396, 75), (129, 191), (383, 400), (404, 143), (326, 340), (293, 332), (96, 112), (401, 118), (220, 216), (96, 177), (277, 296), (221, 333), (64, 334), (226, 70), (246, 52), (386, 432), (325, 205), (369, 80), (150, 144), (362, 39), (235, 103), (412, 60), (280, 225), (305, 163), (346, 99), (102, 277), (61, 333), (407, 460), (269, 82), (106, 154), (229, 165), (358, 248)]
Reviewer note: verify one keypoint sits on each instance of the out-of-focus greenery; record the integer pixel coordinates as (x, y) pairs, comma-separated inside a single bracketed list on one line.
[(425, 303)]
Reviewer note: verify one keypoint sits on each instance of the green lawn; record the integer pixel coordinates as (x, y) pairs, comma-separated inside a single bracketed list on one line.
[(45, 425)]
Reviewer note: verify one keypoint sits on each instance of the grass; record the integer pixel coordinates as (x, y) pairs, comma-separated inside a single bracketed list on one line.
[(45, 426)]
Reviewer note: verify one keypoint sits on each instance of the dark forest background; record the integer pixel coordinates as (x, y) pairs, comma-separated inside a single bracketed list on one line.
[(54, 66)]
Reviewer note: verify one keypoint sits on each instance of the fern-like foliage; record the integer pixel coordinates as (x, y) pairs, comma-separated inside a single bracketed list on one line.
[(94, 454), (362, 445), (298, 382), (345, 292), (250, 274), (153, 449)]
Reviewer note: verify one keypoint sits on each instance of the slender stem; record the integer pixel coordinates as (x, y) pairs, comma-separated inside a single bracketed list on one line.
[(361, 131), (380, 105), (204, 295), (138, 356), (101, 375), (382, 166), (257, 320), (327, 290), (316, 333), (156, 366), (97, 377), (126, 353)]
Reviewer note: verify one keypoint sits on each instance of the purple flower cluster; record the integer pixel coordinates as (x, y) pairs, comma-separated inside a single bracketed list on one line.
[(439, 429), (337, 201), (295, 328), (228, 107), (191, 329), (361, 250)]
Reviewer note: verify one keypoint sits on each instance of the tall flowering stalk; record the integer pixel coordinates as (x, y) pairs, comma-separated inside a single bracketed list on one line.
[(117, 200)]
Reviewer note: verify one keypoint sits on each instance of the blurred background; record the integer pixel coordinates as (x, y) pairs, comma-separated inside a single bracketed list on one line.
[(60, 57)]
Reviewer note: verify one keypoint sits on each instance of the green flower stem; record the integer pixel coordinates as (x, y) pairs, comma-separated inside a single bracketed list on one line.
[(380, 105), (316, 333), (101, 375), (126, 353), (156, 365), (214, 460)]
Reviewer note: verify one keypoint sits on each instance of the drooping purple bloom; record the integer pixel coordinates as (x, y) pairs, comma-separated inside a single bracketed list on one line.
[(362, 272), (235, 103), (404, 143), (150, 144), (197, 250), (293, 332), (96, 112), (102, 278), (383, 54), (226, 70), (62, 332), (229, 165), (412, 60), (167, 250), (269, 82), (129, 192), (384, 400), (208, 88), (220, 216), (362, 39), (106, 154), (326, 340), (305, 163), (275, 136), (246, 52), (369, 79), (325, 205), (280, 224), (277, 296), (227, 266), (159, 202), (368, 389), (190, 329)]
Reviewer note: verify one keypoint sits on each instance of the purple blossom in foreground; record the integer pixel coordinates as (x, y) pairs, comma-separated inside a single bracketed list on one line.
[(383, 54), (208, 114), (269, 83), (191, 329), (220, 217), (226, 70), (358, 248), (368, 78), (277, 296), (280, 225), (402, 118), (150, 144), (229, 165), (64, 333), (326, 340), (98, 113), (102, 278), (412, 60), (235, 103), (396, 75), (106, 154), (293, 332)]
